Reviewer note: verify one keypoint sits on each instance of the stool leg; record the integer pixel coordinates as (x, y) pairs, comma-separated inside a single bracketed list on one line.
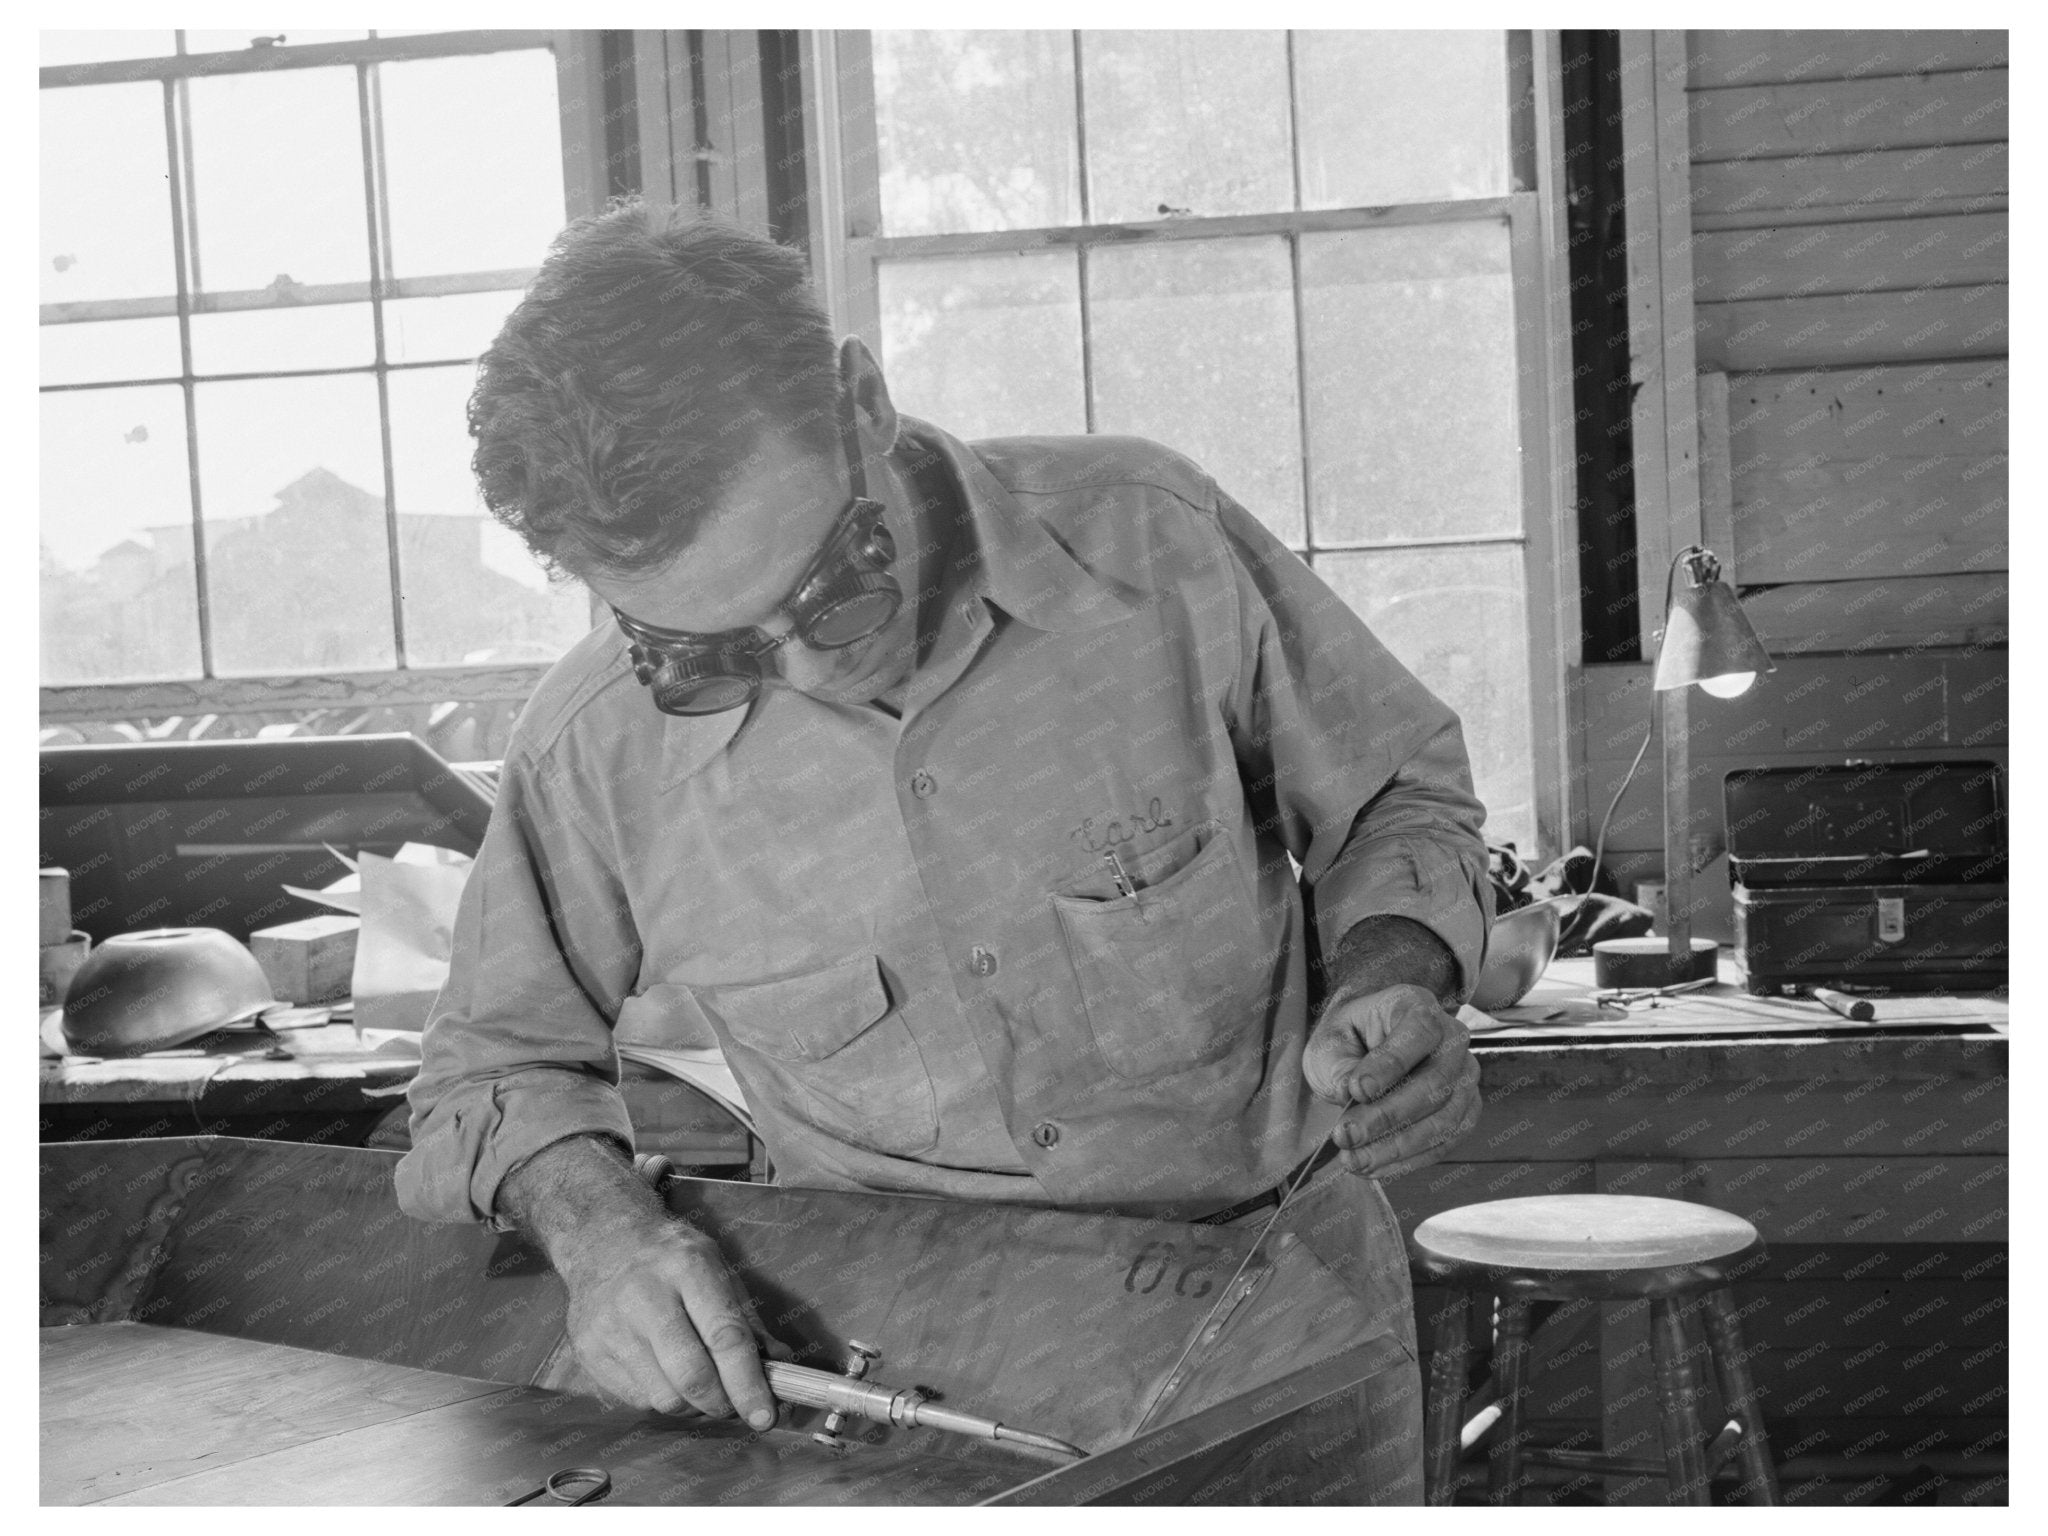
[(1510, 1372), (1449, 1360), (1738, 1392), (1685, 1458)]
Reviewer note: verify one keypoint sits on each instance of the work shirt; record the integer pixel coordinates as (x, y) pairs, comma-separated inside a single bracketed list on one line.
[(904, 934)]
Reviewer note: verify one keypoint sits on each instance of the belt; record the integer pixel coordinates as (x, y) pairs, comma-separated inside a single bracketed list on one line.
[(1259, 1202)]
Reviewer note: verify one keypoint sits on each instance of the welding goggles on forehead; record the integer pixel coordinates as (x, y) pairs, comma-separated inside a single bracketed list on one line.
[(844, 596)]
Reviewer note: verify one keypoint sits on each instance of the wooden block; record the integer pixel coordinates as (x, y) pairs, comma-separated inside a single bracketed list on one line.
[(53, 915), (60, 962), (309, 961)]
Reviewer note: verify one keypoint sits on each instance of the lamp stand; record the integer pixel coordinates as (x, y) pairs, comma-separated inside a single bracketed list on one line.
[(1677, 957), (1685, 958)]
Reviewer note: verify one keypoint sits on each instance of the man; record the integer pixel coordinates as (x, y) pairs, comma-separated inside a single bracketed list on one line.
[(956, 793)]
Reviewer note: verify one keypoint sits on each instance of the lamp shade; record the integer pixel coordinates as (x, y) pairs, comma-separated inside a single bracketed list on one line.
[(1706, 633)]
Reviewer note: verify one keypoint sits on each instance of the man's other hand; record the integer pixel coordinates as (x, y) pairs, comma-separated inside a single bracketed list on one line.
[(655, 1316), (1406, 1066)]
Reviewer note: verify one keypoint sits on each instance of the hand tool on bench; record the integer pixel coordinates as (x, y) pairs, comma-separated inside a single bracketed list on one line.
[(571, 1485)]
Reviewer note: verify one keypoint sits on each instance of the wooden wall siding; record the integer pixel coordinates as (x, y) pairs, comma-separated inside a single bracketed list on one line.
[(1884, 706), (1960, 178), (1753, 57), (1866, 256), (1896, 142), (1909, 611), (1853, 329), (1865, 473), (1843, 117)]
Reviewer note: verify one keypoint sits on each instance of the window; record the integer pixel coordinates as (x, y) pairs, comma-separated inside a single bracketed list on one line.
[(268, 265), (1312, 261)]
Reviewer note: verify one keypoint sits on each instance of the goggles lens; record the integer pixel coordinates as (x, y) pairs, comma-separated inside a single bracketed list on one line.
[(852, 618), (683, 689)]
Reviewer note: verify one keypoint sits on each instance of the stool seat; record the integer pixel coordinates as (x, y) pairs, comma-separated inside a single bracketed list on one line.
[(1581, 1232), (1680, 1256)]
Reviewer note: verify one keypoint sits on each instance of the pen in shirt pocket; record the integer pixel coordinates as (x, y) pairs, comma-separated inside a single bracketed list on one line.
[(1118, 873)]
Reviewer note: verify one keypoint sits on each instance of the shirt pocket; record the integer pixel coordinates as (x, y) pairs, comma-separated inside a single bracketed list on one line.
[(828, 1050), (1175, 977)]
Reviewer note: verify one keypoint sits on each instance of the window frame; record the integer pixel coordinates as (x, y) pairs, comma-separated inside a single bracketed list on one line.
[(847, 245), (580, 90)]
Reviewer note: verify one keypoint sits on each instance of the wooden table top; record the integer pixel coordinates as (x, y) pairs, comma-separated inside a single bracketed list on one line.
[(1563, 1009), (344, 1068), (138, 1414)]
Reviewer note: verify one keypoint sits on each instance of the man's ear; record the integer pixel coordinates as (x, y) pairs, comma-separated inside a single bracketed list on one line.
[(861, 376)]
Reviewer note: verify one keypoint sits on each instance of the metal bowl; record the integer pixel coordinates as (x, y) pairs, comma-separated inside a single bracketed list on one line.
[(1519, 949), (160, 988)]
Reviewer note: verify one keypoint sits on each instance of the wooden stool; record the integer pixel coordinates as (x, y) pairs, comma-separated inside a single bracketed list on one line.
[(1602, 1248)]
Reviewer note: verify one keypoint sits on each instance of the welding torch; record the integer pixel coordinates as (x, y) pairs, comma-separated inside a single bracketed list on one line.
[(851, 1395)]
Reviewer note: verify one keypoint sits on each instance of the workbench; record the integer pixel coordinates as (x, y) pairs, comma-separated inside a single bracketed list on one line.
[(333, 1085), (1871, 1157), (244, 1322)]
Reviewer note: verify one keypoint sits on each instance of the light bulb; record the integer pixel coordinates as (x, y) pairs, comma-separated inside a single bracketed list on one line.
[(1728, 685)]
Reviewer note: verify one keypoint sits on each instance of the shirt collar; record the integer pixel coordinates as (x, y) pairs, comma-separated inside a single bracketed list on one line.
[(1016, 564)]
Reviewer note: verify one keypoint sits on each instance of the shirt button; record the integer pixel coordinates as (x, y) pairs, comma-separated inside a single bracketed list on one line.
[(981, 961), (1046, 1134), (923, 785)]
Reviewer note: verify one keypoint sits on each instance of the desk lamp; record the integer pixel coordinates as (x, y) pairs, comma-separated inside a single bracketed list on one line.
[(1708, 640)]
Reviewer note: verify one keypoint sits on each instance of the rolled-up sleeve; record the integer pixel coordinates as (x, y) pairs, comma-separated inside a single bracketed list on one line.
[(518, 1050), (1356, 767)]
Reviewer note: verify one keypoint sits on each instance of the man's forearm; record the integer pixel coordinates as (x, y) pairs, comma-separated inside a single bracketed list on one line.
[(1386, 950), (572, 1195)]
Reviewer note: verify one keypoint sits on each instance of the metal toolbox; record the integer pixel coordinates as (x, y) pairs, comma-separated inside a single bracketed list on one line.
[(1881, 875)]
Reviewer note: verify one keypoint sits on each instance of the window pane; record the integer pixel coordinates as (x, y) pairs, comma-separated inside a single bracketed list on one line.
[(1456, 618), (291, 477), (272, 340), (278, 179), (457, 327), (97, 47), (109, 349), (1401, 117), (1409, 338), (1186, 122), (975, 130), (473, 160), (106, 213), (1194, 347), (235, 39), (117, 594), (985, 346), (469, 597)]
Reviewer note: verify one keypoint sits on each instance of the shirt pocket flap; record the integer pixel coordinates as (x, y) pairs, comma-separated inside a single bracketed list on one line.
[(801, 1018)]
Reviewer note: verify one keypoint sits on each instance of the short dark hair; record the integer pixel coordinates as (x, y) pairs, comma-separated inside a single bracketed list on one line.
[(636, 377)]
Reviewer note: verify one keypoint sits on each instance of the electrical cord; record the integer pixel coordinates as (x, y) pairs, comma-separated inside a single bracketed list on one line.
[(1650, 730)]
